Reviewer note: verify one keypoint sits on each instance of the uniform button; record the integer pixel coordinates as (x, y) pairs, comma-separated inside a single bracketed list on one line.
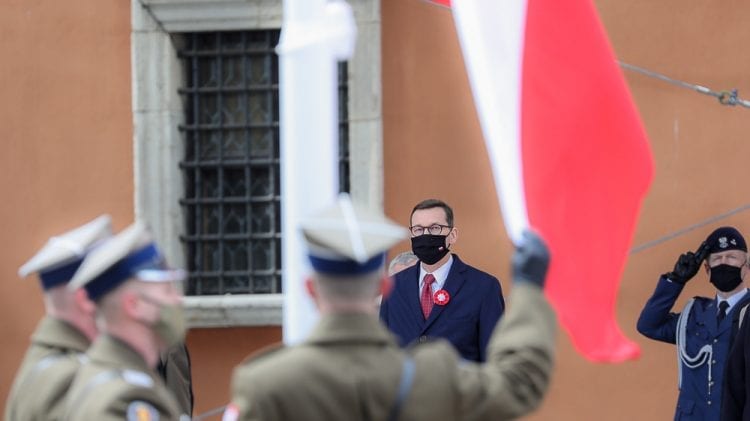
[(709, 402), (713, 362), (422, 339), (711, 383), (716, 340)]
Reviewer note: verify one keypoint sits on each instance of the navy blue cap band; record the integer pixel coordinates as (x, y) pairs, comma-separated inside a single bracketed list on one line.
[(346, 267), (59, 275), (123, 270)]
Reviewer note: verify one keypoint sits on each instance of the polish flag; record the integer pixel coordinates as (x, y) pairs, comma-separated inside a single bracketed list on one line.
[(569, 154)]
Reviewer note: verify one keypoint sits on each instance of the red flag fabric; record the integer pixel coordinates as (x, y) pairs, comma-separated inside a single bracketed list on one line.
[(569, 153)]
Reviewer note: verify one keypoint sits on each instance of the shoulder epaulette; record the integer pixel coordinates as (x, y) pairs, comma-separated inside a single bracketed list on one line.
[(263, 352), (137, 378), (50, 361)]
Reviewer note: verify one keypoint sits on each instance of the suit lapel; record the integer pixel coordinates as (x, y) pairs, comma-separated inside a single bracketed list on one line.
[(408, 285), (454, 282)]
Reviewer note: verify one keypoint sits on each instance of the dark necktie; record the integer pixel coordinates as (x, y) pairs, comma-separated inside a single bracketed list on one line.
[(425, 299), (723, 306)]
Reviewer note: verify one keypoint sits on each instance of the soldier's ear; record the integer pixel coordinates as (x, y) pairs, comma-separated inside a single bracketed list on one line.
[(311, 290), (129, 303), (386, 286), (82, 301)]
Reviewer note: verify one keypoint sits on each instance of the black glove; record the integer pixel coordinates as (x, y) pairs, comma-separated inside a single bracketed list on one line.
[(531, 259), (688, 265)]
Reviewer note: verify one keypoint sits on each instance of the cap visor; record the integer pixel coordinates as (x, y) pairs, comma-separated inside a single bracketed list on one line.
[(161, 275)]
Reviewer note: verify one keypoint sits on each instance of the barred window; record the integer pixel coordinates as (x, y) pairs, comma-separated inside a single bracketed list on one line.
[(232, 202)]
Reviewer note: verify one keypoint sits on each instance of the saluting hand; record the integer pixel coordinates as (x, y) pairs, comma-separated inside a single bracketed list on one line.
[(688, 264)]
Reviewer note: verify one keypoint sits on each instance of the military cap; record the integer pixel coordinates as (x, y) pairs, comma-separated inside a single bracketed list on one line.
[(725, 238), (349, 239), (130, 254), (61, 256)]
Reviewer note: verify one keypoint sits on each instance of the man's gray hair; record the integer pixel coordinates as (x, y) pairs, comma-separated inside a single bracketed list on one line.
[(402, 261)]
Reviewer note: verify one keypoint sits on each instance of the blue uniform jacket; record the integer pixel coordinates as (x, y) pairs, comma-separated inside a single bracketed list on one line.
[(476, 303), (697, 400)]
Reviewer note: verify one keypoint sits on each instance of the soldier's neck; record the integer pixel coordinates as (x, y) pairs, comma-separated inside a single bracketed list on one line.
[(143, 341)]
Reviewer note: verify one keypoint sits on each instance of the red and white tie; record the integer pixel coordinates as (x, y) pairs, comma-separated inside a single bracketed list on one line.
[(426, 298)]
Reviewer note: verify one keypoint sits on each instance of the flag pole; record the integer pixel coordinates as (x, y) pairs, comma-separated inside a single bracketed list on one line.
[(315, 34)]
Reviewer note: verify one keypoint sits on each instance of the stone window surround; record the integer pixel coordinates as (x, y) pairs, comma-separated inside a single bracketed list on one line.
[(158, 144)]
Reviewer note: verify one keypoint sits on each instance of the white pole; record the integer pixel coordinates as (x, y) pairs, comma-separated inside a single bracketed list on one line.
[(315, 34)]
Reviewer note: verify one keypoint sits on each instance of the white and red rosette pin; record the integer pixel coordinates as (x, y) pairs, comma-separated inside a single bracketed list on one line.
[(441, 297)]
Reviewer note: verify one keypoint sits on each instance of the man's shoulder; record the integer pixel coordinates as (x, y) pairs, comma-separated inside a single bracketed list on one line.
[(274, 368), (745, 299), (701, 306), (470, 271), (113, 389), (49, 367), (41, 387), (410, 273), (124, 392), (268, 358), (702, 301)]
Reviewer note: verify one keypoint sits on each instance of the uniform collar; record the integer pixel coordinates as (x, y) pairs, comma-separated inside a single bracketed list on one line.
[(354, 327), (733, 299), (441, 274), (114, 352), (57, 333)]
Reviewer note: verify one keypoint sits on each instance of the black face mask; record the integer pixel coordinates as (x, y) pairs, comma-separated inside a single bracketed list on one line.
[(429, 248), (726, 277)]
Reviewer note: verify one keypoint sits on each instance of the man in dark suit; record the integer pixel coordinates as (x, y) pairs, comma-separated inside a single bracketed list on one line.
[(350, 366), (735, 398), (442, 296)]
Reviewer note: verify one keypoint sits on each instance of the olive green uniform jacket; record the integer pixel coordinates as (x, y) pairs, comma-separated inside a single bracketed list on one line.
[(40, 387), (350, 369), (117, 384), (174, 368)]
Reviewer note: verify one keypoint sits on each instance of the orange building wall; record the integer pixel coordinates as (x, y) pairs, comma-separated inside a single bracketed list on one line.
[(67, 157), (65, 111), (433, 147), (214, 353), (66, 140)]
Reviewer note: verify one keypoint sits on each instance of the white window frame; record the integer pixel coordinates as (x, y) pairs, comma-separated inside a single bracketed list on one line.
[(158, 144)]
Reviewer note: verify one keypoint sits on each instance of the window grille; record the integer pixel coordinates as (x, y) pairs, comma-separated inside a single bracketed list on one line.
[(232, 202)]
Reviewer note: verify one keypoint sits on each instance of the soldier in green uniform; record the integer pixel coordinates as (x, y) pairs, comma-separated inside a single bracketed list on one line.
[(64, 334), (351, 368), (139, 313)]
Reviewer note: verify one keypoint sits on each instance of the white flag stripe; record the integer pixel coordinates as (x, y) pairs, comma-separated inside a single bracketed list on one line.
[(491, 36), (308, 94)]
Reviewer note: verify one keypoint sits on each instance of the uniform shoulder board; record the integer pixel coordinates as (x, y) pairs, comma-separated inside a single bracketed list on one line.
[(141, 411), (137, 378), (262, 353), (703, 300)]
